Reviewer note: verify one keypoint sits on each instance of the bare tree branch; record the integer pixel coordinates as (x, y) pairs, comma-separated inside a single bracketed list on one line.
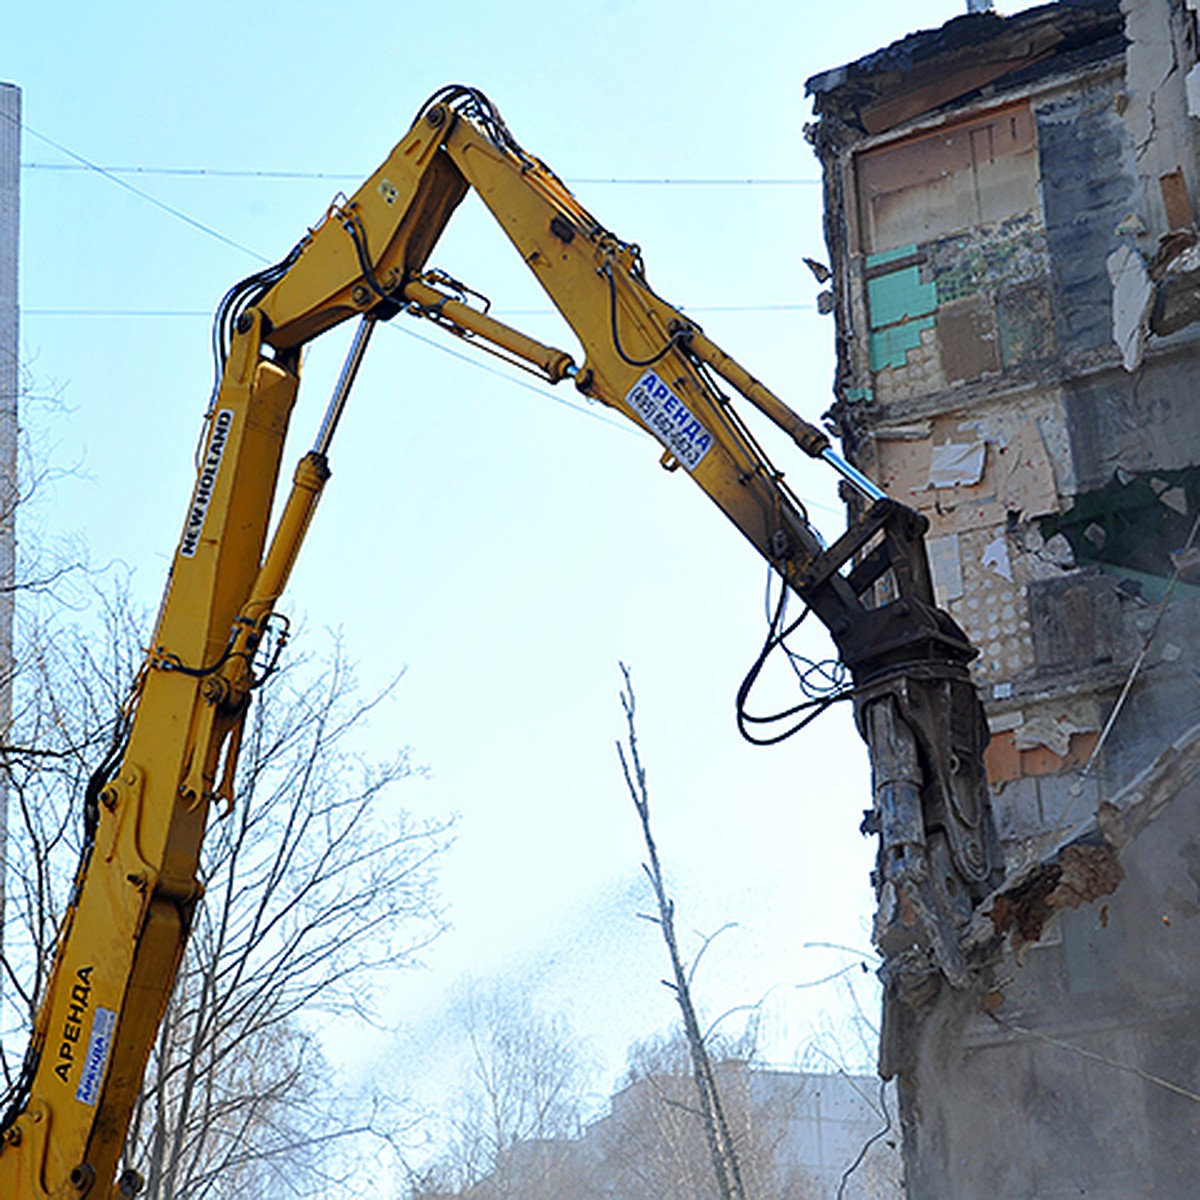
[(724, 1154)]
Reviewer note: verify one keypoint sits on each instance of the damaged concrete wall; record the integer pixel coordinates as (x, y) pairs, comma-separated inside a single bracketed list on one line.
[(1011, 214)]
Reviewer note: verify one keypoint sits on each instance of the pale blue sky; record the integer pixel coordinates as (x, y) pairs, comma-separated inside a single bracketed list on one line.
[(506, 547)]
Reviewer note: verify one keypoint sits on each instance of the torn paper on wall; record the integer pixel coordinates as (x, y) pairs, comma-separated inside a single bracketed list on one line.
[(995, 558), (957, 464)]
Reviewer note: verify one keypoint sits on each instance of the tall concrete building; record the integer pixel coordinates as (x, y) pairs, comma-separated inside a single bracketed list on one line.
[(10, 383), (1011, 215)]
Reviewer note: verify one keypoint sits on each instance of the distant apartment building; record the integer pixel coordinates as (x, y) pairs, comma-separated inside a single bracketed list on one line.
[(797, 1136)]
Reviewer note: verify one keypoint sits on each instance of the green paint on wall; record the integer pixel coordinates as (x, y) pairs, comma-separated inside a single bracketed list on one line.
[(901, 305), (890, 347), (887, 256), (863, 395), (899, 295)]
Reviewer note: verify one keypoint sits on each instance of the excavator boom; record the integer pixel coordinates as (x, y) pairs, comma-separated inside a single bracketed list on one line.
[(136, 888)]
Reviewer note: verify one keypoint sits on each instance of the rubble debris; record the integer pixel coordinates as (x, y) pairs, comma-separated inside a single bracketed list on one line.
[(1177, 295)]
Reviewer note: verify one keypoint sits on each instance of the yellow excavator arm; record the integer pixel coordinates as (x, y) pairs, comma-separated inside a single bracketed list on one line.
[(136, 887)]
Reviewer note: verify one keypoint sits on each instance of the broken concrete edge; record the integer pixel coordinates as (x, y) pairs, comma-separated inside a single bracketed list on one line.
[(1083, 868), (1081, 872), (971, 51), (1158, 298), (1086, 866), (1177, 291), (1152, 294)]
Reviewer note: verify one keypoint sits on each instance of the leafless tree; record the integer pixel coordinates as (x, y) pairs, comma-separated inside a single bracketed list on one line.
[(709, 1107), (45, 569), (66, 700), (651, 1145), (513, 1123), (876, 1171), (315, 884)]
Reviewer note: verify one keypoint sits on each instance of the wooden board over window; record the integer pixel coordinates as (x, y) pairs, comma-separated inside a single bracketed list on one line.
[(976, 172)]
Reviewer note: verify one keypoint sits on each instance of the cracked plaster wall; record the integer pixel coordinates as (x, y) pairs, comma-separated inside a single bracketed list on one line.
[(1159, 106)]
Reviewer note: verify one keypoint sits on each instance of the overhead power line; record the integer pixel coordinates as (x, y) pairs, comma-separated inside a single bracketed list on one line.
[(339, 177), (117, 312), (194, 172), (516, 312), (113, 177), (701, 182)]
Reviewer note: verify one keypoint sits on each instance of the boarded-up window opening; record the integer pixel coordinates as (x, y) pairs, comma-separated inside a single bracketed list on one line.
[(959, 176)]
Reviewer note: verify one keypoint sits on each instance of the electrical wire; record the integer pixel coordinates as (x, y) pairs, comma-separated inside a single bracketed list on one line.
[(477, 107), (596, 415), (349, 177), (725, 411), (511, 312), (197, 172), (179, 214)]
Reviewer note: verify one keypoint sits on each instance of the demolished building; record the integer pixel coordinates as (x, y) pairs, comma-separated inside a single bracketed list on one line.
[(1011, 219)]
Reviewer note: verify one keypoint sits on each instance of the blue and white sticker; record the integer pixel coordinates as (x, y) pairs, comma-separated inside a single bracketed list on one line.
[(670, 420), (99, 1044)]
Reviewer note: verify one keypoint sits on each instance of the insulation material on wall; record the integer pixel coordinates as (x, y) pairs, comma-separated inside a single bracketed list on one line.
[(1046, 739), (997, 559), (1006, 761), (1054, 726), (957, 464), (947, 476)]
